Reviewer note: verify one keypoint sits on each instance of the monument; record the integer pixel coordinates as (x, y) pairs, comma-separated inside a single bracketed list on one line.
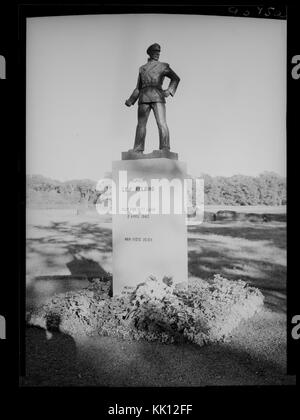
[(149, 221)]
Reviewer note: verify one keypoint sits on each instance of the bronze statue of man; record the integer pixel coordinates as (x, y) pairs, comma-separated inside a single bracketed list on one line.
[(151, 95)]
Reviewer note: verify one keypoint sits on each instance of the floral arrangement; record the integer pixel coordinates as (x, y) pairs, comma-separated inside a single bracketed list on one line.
[(156, 310)]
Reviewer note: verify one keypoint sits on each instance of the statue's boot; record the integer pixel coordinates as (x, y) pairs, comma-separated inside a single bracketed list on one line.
[(137, 150)]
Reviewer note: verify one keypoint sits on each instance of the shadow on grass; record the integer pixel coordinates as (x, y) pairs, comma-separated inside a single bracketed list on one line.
[(275, 233), (79, 237), (58, 243), (63, 240), (50, 361), (106, 361), (253, 252)]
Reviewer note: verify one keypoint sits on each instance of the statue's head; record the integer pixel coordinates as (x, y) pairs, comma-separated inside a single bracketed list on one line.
[(154, 51)]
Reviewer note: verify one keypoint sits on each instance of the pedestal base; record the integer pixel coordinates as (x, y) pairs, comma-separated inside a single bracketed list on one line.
[(131, 155), (148, 244)]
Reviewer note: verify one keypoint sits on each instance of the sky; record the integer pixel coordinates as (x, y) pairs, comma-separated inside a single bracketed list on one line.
[(228, 115)]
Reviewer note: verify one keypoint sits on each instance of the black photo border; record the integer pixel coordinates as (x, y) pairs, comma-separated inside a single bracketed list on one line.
[(13, 123)]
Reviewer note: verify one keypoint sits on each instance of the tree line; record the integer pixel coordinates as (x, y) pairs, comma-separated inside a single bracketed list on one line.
[(266, 189)]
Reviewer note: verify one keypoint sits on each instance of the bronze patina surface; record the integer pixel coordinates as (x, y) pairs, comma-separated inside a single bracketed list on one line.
[(151, 96)]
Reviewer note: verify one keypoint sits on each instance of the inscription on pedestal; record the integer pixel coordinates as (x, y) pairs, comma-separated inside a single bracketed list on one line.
[(144, 243)]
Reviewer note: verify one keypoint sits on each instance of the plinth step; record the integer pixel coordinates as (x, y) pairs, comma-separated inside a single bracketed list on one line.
[(131, 155)]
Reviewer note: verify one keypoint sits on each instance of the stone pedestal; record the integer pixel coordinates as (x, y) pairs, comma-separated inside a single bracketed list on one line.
[(148, 244), (131, 154)]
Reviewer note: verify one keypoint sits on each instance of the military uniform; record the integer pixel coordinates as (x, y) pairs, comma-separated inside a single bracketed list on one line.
[(150, 95)]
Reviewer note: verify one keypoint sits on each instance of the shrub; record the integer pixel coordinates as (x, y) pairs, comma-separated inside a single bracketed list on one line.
[(203, 312)]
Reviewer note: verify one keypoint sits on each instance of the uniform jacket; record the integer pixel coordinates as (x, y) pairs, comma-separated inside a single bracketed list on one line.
[(150, 80)]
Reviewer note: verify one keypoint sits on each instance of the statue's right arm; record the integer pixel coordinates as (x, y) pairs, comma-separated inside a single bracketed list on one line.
[(135, 94)]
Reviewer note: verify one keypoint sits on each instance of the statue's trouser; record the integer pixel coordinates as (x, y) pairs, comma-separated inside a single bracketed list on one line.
[(159, 109)]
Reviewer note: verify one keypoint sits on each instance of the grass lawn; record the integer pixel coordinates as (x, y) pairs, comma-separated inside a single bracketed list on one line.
[(61, 243)]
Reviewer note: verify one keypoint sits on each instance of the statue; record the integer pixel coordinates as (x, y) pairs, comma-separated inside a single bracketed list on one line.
[(151, 95)]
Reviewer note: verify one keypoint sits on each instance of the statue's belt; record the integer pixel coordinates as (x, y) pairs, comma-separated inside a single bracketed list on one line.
[(153, 86)]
